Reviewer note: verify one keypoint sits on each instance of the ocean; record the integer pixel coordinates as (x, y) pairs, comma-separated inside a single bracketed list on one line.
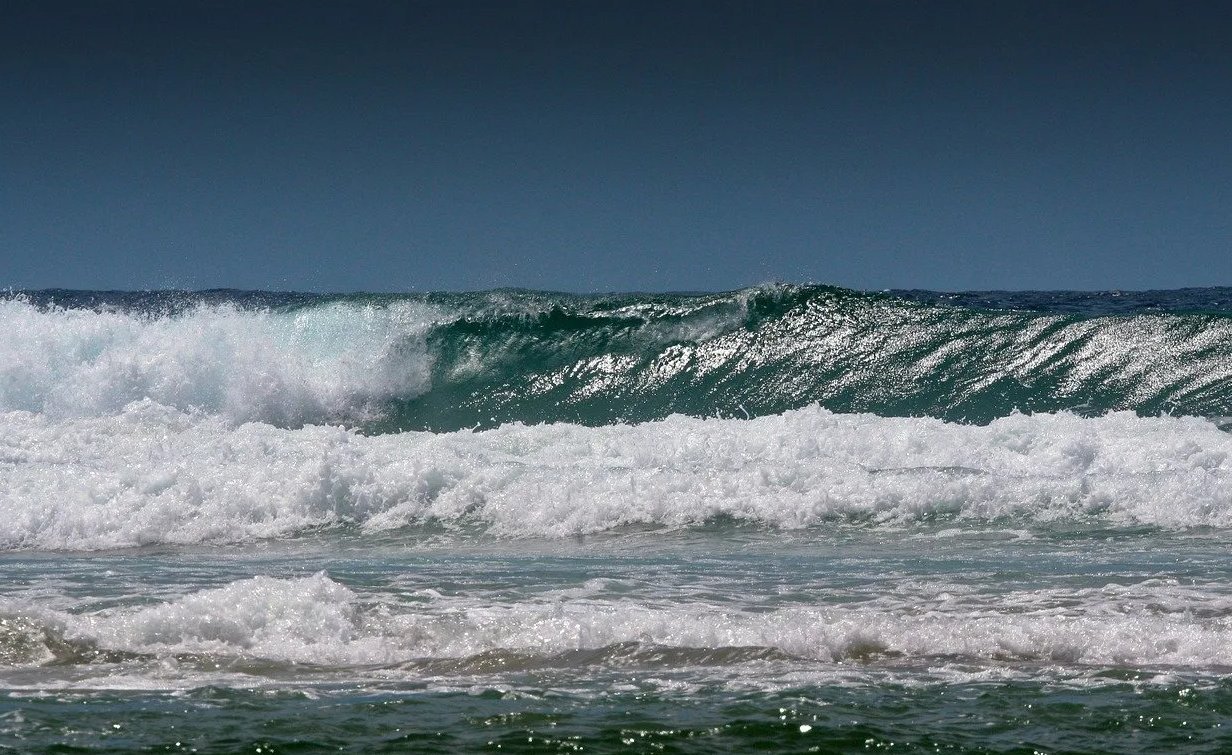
[(787, 518)]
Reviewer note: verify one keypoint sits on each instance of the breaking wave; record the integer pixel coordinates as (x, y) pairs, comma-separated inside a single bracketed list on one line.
[(450, 361), (316, 620)]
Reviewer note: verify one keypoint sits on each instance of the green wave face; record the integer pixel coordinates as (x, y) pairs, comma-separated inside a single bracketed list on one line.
[(385, 363), (597, 360)]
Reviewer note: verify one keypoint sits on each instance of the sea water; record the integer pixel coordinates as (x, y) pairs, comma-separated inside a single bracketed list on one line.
[(787, 518)]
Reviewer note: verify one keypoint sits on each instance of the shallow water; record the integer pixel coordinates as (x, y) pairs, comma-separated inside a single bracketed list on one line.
[(724, 638)]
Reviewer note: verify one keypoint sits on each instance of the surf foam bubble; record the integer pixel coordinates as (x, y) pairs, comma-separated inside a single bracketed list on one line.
[(154, 474), (317, 620)]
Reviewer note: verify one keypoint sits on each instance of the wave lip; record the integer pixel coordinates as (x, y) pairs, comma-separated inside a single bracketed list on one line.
[(155, 475)]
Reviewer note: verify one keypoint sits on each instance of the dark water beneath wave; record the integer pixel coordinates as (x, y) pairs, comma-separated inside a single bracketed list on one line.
[(1006, 717)]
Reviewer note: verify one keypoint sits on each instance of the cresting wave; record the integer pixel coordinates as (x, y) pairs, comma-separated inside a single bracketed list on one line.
[(451, 361), (319, 621), (333, 362), (152, 474)]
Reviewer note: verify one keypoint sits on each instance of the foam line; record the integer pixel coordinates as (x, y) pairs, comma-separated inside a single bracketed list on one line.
[(153, 474)]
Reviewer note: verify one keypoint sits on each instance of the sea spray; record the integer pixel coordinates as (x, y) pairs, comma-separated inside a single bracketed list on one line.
[(332, 362)]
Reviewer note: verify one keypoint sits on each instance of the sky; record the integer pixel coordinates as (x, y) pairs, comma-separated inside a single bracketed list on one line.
[(590, 145)]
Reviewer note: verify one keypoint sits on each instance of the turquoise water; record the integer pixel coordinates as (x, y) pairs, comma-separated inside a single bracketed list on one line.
[(215, 539), (442, 362)]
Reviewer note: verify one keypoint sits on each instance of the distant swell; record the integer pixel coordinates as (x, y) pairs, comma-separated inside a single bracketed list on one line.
[(445, 362)]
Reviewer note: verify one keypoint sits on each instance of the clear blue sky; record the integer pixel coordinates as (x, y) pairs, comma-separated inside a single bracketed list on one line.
[(616, 145)]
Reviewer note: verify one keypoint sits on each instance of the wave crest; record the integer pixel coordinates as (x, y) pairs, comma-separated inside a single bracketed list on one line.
[(318, 621), (449, 361)]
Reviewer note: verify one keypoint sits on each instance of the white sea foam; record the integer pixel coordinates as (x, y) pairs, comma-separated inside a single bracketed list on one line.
[(154, 474), (317, 620), (332, 362)]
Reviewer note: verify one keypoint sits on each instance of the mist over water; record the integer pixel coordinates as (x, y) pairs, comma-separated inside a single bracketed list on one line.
[(706, 522)]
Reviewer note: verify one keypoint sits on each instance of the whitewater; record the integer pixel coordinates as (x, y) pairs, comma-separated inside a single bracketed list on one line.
[(796, 518)]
